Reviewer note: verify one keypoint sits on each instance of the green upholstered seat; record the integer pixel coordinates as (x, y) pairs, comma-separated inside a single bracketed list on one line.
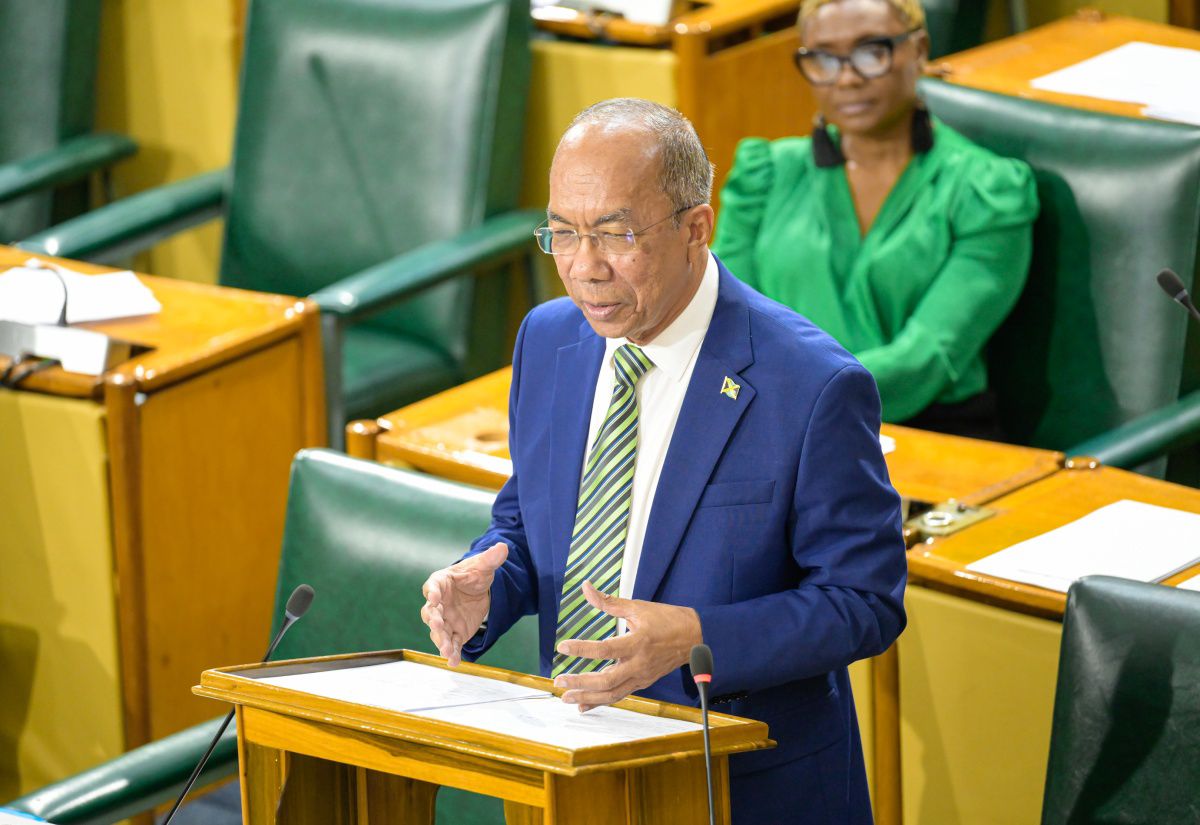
[(1093, 343), (369, 133), (47, 149), (1125, 744), (365, 537)]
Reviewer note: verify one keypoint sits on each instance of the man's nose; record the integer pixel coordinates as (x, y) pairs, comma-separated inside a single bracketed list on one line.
[(588, 262)]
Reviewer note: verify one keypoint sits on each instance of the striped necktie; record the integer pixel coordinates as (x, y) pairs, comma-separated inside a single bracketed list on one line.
[(602, 516)]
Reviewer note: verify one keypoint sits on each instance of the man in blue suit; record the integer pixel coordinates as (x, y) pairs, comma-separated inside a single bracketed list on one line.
[(692, 462)]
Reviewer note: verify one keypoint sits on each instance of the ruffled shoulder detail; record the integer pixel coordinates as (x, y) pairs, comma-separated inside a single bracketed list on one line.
[(993, 192)]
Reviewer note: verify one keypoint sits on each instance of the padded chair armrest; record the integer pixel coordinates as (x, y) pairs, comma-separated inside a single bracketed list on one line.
[(1152, 435), (134, 223), (499, 238), (70, 161), (135, 781)]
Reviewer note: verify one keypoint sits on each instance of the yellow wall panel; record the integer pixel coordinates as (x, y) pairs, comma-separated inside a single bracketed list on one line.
[(168, 78), (60, 709)]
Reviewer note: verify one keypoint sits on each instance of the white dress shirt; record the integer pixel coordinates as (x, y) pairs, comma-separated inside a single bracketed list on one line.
[(660, 395)]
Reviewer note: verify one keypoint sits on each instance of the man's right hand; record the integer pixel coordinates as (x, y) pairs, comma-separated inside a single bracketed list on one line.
[(457, 600)]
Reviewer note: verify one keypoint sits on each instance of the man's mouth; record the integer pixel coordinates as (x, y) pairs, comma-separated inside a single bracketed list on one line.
[(599, 311)]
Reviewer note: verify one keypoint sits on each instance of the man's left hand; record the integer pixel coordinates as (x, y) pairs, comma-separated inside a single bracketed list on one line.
[(660, 639)]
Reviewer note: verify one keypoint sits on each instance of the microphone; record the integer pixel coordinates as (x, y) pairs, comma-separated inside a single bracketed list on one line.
[(297, 605), (1173, 286), (702, 668)]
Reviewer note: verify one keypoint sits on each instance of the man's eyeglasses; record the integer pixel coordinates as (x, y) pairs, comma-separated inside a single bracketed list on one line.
[(610, 242), (869, 59)]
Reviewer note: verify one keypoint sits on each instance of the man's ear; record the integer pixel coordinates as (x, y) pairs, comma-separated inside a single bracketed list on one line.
[(700, 221)]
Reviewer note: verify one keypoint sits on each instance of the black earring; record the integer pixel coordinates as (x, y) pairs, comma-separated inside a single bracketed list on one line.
[(825, 152), (922, 129)]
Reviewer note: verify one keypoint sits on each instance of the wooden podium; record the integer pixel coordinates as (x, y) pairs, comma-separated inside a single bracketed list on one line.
[(305, 759)]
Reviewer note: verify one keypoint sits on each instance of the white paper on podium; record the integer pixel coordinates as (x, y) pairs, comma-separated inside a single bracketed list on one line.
[(31, 294), (489, 704), (402, 686), (887, 443), (1127, 539), (1190, 584), (1164, 78), (553, 722)]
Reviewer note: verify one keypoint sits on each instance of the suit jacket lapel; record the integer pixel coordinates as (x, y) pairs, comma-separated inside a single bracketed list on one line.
[(706, 421), (571, 411)]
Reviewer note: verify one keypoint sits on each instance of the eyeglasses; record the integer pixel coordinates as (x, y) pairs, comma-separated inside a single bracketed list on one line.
[(869, 59), (567, 241)]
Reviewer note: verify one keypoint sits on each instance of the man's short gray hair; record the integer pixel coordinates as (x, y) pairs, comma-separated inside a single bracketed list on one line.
[(687, 174)]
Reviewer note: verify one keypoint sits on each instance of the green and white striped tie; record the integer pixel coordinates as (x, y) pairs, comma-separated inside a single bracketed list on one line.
[(602, 517)]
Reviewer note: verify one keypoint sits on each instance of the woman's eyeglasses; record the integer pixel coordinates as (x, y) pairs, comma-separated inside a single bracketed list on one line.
[(869, 59)]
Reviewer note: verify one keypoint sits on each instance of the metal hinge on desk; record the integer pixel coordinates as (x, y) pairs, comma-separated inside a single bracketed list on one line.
[(946, 518)]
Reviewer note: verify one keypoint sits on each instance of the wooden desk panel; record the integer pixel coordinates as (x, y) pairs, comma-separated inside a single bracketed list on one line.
[(462, 434), (1008, 66), (1028, 512), (197, 438)]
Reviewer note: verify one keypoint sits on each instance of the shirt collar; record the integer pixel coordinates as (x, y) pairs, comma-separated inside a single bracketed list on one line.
[(673, 348)]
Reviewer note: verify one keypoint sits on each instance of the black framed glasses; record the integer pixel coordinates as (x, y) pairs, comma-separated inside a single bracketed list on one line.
[(869, 59), (611, 241)]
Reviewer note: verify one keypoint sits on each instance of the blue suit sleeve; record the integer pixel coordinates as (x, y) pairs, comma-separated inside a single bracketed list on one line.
[(514, 590), (846, 539)]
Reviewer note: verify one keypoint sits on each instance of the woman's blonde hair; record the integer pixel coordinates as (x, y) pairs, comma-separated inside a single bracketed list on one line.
[(910, 11)]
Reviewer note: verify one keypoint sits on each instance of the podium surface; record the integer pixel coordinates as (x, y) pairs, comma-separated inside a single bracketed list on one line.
[(307, 758)]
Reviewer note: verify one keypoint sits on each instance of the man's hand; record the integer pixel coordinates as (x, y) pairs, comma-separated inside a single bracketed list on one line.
[(457, 600), (660, 639)]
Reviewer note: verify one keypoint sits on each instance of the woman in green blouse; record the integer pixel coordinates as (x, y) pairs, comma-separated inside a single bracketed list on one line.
[(898, 236)]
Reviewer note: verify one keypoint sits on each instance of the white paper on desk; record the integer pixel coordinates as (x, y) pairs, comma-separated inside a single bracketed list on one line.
[(31, 294), (1157, 76), (887, 443), (1189, 584), (1127, 539), (551, 721), (403, 686), (1191, 115)]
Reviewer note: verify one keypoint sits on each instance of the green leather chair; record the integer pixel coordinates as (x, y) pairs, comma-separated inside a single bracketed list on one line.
[(377, 158), (957, 25), (1125, 744), (48, 53), (1092, 360), (366, 537)]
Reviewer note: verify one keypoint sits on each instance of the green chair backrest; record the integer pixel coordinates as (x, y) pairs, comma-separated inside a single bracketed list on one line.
[(48, 64), (1125, 745), (367, 128), (1093, 342), (954, 25), (366, 537)]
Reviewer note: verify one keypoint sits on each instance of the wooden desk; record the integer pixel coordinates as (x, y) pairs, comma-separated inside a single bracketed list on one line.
[(462, 434), (143, 515), (1008, 66), (726, 65), (978, 662)]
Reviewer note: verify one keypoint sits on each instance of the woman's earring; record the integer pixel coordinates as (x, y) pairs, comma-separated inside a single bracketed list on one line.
[(922, 129), (825, 152)]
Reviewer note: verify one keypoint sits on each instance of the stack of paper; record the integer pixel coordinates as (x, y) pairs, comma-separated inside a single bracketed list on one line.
[(1127, 539), (487, 704), (1162, 78), (33, 294)]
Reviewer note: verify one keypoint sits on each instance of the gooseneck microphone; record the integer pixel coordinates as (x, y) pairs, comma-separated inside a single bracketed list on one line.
[(1172, 284), (297, 605), (702, 668)]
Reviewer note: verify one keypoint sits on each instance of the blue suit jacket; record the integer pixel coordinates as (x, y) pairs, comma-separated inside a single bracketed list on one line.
[(774, 519)]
